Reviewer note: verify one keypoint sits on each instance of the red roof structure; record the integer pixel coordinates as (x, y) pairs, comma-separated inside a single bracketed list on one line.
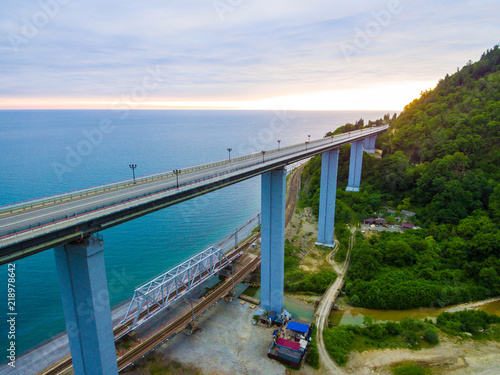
[(407, 225), (288, 344)]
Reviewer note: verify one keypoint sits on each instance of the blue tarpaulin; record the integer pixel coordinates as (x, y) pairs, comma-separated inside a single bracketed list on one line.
[(297, 327)]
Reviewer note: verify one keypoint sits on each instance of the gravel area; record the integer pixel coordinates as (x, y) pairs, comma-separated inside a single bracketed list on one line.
[(228, 343)]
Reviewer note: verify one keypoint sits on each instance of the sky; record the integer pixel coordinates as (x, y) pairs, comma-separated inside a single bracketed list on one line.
[(260, 54)]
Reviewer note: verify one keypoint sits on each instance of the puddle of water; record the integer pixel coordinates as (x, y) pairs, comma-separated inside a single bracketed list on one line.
[(355, 316), (299, 310), (253, 292)]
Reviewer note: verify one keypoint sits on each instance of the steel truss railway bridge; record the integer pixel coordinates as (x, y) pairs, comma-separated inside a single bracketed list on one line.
[(69, 222)]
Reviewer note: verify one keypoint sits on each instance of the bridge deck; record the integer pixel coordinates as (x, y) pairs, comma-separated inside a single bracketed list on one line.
[(31, 227)]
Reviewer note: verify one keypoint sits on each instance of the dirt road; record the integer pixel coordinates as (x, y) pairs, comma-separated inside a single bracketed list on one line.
[(323, 311)]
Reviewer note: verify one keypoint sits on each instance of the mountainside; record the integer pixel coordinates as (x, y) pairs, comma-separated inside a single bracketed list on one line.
[(441, 159)]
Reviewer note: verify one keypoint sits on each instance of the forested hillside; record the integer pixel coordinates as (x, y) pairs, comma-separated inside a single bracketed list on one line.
[(441, 159)]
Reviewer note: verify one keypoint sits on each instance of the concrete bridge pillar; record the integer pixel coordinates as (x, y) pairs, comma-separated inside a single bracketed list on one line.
[(328, 194), (84, 293), (355, 165), (273, 239), (370, 143)]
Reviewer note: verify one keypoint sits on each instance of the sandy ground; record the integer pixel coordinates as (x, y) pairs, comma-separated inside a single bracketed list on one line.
[(228, 343)]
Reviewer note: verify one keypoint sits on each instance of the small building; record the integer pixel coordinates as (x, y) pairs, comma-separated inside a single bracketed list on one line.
[(271, 318), (408, 213), (408, 226), (290, 344), (370, 220), (380, 221), (263, 319)]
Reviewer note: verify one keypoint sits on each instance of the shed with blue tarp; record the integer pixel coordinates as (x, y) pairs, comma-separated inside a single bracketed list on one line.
[(297, 327)]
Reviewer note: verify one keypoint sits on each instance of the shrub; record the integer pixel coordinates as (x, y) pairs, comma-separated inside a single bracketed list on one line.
[(393, 328), (465, 321), (338, 342), (411, 324), (312, 357), (431, 335)]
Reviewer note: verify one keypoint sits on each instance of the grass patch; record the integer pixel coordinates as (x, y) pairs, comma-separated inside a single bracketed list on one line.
[(410, 368), (297, 280), (127, 345)]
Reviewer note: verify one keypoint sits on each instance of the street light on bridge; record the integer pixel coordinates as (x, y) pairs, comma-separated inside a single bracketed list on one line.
[(279, 141), (306, 144), (229, 150), (263, 153), (309, 136), (133, 167), (176, 172)]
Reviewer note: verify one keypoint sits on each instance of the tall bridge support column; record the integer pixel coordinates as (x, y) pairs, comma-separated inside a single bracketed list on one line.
[(327, 197), (85, 298), (370, 144), (273, 239), (355, 164)]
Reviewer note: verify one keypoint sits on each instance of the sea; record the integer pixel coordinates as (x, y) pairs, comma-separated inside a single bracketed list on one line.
[(46, 152)]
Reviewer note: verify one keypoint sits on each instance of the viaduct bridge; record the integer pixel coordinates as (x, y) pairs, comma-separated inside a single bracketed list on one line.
[(66, 223)]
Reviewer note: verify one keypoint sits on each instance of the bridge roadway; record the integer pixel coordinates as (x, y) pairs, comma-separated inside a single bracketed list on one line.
[(30, 227)]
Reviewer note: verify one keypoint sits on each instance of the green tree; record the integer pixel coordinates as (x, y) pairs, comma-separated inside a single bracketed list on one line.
[(494, 204)]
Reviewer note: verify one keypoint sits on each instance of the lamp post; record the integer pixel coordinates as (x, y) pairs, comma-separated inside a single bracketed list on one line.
[(133, 167), (263, 153), (279, 141), (177, 171), (309, 136), (229, 150), (306, 144)]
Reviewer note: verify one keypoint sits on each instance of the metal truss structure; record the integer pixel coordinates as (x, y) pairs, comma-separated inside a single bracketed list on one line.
[(158, 293)]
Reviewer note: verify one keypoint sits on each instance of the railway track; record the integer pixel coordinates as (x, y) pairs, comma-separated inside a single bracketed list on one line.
[(121, 329), (156, 339)]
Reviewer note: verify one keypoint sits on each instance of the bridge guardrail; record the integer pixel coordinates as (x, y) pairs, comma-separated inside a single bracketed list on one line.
[(151, 193)]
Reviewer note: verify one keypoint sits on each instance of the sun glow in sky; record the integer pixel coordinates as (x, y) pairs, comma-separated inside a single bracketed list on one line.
[(318, 55)]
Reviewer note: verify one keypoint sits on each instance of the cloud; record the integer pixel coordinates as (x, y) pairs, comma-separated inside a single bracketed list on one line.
[(256, 49)]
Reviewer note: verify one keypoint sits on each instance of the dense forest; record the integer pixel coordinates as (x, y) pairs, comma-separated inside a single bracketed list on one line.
[(440, 159)]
